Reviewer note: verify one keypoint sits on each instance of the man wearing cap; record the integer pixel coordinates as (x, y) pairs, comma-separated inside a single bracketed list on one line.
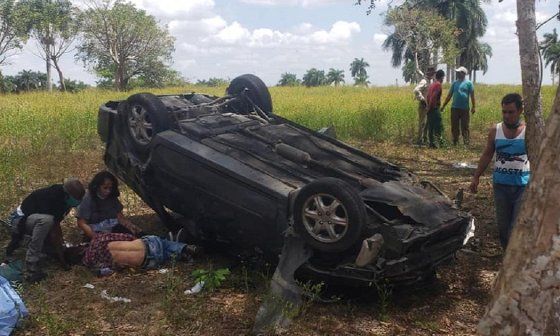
[(40, 215), (460, 90), (420, 92)]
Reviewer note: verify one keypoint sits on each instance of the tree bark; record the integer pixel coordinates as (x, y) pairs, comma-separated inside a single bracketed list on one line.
[(60, 76), (530, 70), (49, 82), (526, 297)]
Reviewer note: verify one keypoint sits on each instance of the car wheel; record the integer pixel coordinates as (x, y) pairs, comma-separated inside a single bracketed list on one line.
[(329, 215), (144, 116), (257, 91)]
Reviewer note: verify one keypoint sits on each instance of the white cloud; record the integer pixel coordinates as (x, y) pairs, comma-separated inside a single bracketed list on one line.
[(173, 9), (379, 38), (302, 3)]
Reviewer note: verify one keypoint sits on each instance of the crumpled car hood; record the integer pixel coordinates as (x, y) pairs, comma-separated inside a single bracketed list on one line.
[(421, 205)]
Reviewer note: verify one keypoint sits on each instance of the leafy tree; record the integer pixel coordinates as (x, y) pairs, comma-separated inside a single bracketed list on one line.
[(359, 72), (314, 77), (54, 27), (28, 80), (123, 41), (478, 55), (409, 72), (421, 36), (289, 79), (335, 76), (74, 85), (550, 47), (13, 32)]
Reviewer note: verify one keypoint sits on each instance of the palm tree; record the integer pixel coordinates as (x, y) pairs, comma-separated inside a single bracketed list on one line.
[(289, 79), (314, 77), (359, 72), (469, 18), (335, 76), (550, 48), (478, 54)]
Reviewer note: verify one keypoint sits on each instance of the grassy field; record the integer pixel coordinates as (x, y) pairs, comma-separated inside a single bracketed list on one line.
[(47, 137)]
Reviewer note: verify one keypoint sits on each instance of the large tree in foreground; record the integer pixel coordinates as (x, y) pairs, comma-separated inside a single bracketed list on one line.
[(530, 75), (123, 42)]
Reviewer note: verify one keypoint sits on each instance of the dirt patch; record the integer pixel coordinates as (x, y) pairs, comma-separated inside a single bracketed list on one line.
[(450, 305)]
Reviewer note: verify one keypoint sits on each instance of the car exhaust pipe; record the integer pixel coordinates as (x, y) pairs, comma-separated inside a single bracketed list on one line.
[(292, 153)]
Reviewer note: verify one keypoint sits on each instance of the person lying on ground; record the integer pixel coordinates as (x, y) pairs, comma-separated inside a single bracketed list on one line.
[(39, 215), (101, 210), (120, 250)]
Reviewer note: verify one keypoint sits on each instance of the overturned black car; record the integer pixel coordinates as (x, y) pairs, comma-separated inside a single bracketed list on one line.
[(245, 175)]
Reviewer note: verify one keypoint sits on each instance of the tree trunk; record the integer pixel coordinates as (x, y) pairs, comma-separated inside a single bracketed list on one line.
[(49, 82), (474, 76), (530, 69), (448, 72), (526, 298), (60, 76)]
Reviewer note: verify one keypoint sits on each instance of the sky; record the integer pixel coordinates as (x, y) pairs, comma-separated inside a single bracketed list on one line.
[(227, 38)]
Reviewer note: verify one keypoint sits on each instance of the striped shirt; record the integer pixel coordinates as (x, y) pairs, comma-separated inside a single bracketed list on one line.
[(511, 165)]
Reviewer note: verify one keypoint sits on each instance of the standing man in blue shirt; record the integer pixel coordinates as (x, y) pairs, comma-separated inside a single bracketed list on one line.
[(460, 90), (512, 170)]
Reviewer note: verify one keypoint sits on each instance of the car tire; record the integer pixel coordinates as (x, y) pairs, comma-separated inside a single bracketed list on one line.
[(144, 116), (257, 91), (325, 225)]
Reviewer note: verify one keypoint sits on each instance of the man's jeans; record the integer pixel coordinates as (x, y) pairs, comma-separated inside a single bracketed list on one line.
[(158, 251), (38, 225), (507, 199)]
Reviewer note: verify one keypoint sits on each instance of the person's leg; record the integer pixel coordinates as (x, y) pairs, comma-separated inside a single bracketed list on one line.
[(517, 196), (154, 251), (465, 120), (431, 129), (504, 212), (438, 127), (455, 125), (171, 249), (39, 226), (422, 123)]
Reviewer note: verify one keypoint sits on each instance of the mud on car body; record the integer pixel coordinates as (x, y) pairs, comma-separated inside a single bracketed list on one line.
[(245, 175)]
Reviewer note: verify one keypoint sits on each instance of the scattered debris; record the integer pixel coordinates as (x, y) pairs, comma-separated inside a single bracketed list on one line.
[(284, 298), (196, 288), (464, 165), (88, 285), (163, 271), (114, 298)]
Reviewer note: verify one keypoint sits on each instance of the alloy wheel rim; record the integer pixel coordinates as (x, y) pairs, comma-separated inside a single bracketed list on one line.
[(325, 218)]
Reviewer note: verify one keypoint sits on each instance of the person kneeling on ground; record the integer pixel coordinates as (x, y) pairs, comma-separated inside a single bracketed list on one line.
[(101, 210), (40, 215), (109, 251)]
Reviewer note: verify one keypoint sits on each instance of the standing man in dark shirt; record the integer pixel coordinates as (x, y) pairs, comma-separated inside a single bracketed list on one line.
[(40, 215), (433, 99)]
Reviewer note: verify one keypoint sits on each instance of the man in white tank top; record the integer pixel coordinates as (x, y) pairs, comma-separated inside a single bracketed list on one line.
[(512, 170)]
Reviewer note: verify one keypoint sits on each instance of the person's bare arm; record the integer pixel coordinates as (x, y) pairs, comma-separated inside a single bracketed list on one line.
[(128, 224), (484, 161), (473, 101), (447, 99), (83, 225)]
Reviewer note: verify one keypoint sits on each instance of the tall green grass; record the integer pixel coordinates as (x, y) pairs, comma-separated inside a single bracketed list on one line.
[(45, 137)]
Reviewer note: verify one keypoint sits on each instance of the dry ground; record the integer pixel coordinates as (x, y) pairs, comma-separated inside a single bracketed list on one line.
[(451, 305)]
